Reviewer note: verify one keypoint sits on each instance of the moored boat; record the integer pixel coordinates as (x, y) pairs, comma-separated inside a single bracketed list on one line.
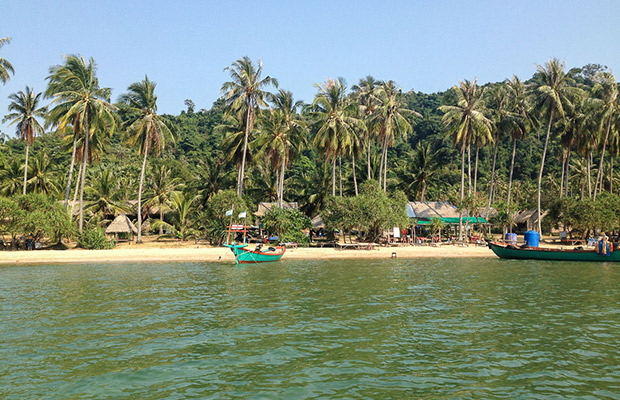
[(503, 250), (245, 255)]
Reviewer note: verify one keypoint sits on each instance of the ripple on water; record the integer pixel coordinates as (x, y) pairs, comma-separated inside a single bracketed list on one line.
[(363, 329)]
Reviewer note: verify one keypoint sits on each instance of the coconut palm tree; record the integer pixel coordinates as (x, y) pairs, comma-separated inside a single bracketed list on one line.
[(245, 94), (163, 186), (334, 114), (423, 169), (5, 67), (365, 93), (11, 178), (283, 134), (465, 119), (43, 179), (518, 120), (146, 130), (24, 111), (80, 101), (553, 95), (605, 99), (104, 195), (391, 118)]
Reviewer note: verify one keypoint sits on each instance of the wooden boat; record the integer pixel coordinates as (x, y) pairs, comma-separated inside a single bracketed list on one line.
[(503, 250), (245, 255)]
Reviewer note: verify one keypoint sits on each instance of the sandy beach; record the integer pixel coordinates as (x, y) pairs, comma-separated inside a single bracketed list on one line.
[(196, 253)]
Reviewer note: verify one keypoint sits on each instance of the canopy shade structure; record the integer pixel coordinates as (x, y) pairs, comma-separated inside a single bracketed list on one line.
[(425, 211)]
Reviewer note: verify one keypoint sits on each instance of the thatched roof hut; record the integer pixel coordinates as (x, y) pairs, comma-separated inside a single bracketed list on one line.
[(263, 208), (121, 224), (317, 223)]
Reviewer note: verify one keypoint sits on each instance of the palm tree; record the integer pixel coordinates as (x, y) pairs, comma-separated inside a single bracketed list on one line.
[(390, 117), (11, 178), (25, 110), (5, 67), (423, 167), (465, 119), (605, 98), (244, 93), (104, 194), (146, 130), (42, 179), (497, 104), (163, 187), (282, 135), (365, 93), (335, 116), (79, 101), (553, 96), (518, 120)]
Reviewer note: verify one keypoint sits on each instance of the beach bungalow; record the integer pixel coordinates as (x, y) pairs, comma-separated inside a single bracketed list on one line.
[(264, 207), (424, 211), (527, 220), (122, 227)]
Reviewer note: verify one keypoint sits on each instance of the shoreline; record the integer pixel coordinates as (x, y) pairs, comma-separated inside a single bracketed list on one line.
[(198, 253)]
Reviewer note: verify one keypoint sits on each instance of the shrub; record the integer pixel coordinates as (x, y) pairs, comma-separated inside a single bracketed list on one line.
[(95, 239)]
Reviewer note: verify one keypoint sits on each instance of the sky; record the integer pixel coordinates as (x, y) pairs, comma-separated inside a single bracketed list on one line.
[(185, 45)]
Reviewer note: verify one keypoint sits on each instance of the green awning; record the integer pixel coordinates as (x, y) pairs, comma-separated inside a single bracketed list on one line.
[(471, 220)]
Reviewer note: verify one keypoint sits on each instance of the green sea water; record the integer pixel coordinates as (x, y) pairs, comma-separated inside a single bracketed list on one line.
[(434, 328)]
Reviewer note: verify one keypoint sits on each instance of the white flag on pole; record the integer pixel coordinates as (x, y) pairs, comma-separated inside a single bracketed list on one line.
[(243, 214), (229, 213)]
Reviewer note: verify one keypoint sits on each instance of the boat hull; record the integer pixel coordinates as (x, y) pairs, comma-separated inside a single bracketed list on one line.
[(243, 255), (503, 250)]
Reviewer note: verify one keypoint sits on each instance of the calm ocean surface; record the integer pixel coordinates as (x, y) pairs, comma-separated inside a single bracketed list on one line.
[(311, 329)]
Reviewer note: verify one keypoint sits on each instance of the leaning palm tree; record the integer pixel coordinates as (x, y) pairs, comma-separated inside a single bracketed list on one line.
[(245, 93), (553, 95), (146, 130), (25, 111), (391, 118), (465, 119), (5, 67), (81, 102)]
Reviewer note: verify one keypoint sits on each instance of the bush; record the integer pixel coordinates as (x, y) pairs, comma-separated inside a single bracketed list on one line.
[(287, 224), (95, 239)]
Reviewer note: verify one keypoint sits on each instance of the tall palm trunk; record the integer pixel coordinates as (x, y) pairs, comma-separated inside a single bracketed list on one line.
[(77, 187), (512, 168), (381, 162), (68, 188), (340, 173), (562, 176), (476, 170), (567, 169), (462, 193), (334, 176), (589, 163), (368, 154), (83, 178), (599, 174), (611, 173), (492, 186), (469, 168), (385, 170), (542, 167), (146, 153), (161, 218), (26, 167), (354, 176), (245, 146), (281, 183)]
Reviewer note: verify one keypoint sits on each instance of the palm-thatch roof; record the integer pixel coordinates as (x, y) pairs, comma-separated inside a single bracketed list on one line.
[(121, 224), (431, 209), (263, 208), (317, 223)]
